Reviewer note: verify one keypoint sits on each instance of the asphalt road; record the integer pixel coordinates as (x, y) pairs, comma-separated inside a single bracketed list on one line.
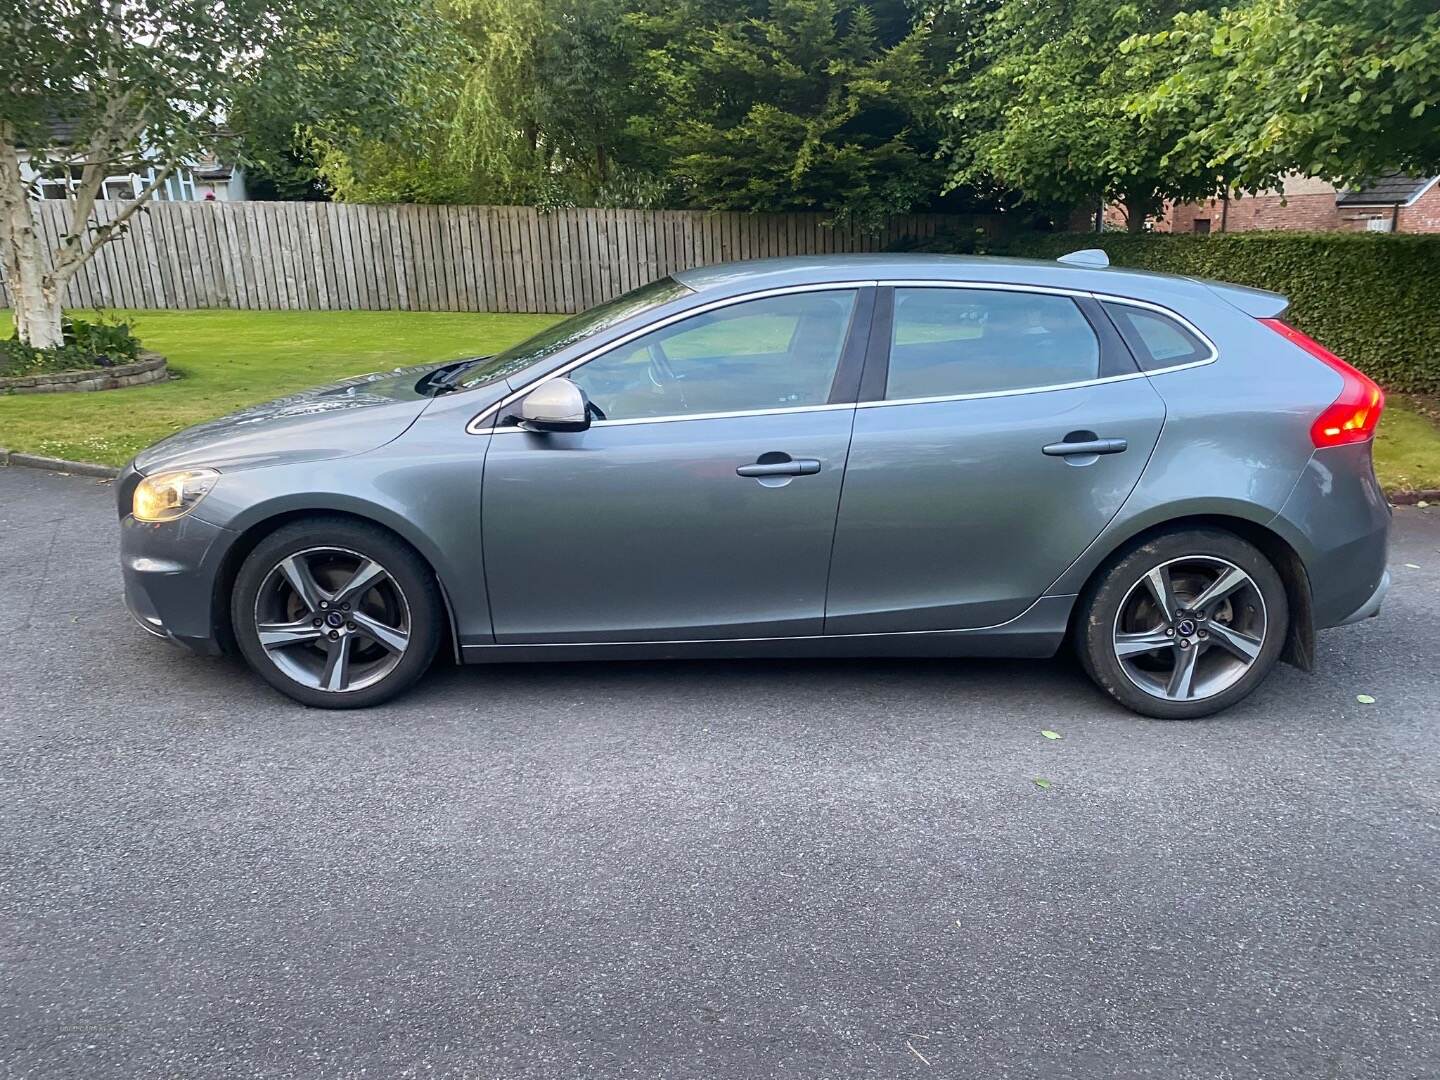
[(702, 870)]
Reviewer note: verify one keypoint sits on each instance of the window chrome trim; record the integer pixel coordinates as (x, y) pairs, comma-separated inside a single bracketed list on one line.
[(474, 428), (783, 410), (1099, 381)]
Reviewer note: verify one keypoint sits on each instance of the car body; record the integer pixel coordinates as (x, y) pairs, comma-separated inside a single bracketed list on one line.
[(829, 456)]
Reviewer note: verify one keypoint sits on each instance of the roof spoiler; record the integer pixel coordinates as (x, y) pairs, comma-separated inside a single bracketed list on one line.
[(1257, 303), (1085, 257)]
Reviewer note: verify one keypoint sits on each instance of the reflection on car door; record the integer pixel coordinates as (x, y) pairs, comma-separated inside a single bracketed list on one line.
[(704, 505), (994, 444)]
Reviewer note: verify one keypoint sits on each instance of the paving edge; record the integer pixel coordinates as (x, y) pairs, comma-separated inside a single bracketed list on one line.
[(55, 464), (107, 472)]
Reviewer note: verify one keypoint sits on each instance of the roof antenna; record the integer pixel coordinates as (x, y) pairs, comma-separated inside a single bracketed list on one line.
[(1086, 257)]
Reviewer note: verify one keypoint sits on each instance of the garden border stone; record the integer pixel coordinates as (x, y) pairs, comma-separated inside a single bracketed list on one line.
[(150, 367)]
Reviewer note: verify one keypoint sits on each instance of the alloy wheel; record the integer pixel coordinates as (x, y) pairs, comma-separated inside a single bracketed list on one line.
[(332, 619), (1190, 628)]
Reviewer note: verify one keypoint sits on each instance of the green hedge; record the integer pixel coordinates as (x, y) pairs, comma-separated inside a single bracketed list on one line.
[(1374, 299)]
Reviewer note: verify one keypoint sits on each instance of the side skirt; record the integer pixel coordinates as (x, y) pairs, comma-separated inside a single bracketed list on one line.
[(1036, 632)]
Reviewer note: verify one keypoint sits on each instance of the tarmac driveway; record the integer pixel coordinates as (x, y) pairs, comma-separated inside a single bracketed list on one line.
[(702, 870)]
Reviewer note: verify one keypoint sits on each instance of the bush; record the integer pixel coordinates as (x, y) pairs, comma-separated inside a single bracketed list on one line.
[(1371, 298), (95, 344)]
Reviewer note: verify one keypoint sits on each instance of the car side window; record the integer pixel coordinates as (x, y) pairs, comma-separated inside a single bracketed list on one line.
[(1157, 340), (774, 352), (947, 342)]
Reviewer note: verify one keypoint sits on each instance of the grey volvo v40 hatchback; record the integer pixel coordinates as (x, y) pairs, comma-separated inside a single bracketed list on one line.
[(832, 456)]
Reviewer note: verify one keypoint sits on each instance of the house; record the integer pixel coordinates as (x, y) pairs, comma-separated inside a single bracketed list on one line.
[(1394, 203), (202, 178)]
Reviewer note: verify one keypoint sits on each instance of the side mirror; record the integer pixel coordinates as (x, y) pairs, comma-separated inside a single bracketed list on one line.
[(555, 405)]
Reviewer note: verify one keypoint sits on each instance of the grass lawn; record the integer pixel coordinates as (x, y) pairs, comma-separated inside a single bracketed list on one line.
[(223, 360), (1407, 447), (227, 359)]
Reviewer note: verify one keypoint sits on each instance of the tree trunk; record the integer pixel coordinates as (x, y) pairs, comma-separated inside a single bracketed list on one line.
[(37, 309), (1134, 216)]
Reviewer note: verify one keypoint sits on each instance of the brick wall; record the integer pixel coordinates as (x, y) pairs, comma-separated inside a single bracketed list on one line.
[(1311, 213), (1305, 205), (1423, 216)]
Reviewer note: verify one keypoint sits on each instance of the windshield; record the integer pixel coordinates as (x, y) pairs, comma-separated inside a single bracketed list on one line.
[(554, 338)]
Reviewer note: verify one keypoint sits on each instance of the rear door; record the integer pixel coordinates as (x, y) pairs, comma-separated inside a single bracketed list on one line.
[(999, 431)]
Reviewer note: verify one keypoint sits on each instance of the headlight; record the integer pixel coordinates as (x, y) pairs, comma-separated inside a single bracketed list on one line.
[(167, 496)]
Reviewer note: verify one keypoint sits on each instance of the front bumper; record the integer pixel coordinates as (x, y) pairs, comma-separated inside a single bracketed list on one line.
[(170, 571)]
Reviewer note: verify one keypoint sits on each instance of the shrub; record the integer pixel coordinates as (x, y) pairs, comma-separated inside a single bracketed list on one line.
[(86, 345), (1371, 298)]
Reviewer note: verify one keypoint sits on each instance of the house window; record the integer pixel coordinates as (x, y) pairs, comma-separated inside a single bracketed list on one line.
[(1200, 225), (1377, 224), (118, 187)]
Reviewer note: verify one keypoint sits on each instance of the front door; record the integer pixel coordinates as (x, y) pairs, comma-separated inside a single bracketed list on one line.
[(703, 505), (999, 444)]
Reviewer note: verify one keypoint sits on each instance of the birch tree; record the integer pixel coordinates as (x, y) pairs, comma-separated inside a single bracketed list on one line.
[(94, 88)]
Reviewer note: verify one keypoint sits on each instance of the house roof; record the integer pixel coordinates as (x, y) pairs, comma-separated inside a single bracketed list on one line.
[(1392, 190)]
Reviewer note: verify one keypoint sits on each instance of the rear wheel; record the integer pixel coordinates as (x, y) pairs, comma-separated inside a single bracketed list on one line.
[(1184, 625), (336, 613)]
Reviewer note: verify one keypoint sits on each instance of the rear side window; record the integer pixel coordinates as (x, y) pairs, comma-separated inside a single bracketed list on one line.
[(1157, 340), (948, 342)]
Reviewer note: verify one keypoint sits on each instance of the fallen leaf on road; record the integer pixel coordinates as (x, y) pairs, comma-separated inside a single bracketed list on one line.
[(1365, 699), (1051, 734), (1042, 783)]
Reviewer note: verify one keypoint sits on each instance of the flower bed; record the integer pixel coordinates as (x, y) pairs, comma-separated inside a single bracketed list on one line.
[(146, 368)]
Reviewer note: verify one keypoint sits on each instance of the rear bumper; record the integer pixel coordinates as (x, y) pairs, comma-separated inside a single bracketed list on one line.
[(170, 572), (1338, 520), (1371, 607)]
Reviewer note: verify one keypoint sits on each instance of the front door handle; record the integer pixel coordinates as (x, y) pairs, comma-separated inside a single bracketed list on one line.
[(1085, 446), (788, 467)]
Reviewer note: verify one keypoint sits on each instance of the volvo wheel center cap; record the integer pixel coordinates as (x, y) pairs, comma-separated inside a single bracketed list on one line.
[(1185, 627), (334, 619)]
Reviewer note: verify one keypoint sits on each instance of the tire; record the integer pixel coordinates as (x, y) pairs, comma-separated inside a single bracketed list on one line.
[(349, 614), (1214, 654)]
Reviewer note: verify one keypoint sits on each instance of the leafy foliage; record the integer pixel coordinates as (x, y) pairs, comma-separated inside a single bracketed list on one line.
[(1371, 298), (794, 104), (1039, 100), (767, 105), (1331, 88)]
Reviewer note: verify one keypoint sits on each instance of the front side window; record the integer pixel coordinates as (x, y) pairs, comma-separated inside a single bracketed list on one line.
[(568, 331), (774, 352), (950, 342)]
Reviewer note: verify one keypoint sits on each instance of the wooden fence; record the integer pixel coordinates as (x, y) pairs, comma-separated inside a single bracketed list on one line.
[(336, 256)]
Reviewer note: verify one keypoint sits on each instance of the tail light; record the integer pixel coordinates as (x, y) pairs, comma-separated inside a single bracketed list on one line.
[(1353, 415)]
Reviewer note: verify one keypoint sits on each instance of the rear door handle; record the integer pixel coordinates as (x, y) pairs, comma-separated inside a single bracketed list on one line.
[(1087, 446), (793, 467)]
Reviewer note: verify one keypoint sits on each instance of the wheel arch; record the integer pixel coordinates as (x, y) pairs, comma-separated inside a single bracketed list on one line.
[(266, 520), (1300, 637)]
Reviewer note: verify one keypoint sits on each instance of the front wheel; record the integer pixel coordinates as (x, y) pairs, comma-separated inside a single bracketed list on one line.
[(336, 613), (1183, 625)]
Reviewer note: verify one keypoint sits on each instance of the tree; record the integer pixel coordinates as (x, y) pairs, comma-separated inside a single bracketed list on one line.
[(793, 104), (536, 110), (1332, 88), (91, 88), (1039, 101)]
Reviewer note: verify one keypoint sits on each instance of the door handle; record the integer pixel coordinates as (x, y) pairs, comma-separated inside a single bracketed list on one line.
[(1087, 446), (792, 467)]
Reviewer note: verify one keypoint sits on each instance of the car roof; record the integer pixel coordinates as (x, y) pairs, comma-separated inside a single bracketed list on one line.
[(730, 278)]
